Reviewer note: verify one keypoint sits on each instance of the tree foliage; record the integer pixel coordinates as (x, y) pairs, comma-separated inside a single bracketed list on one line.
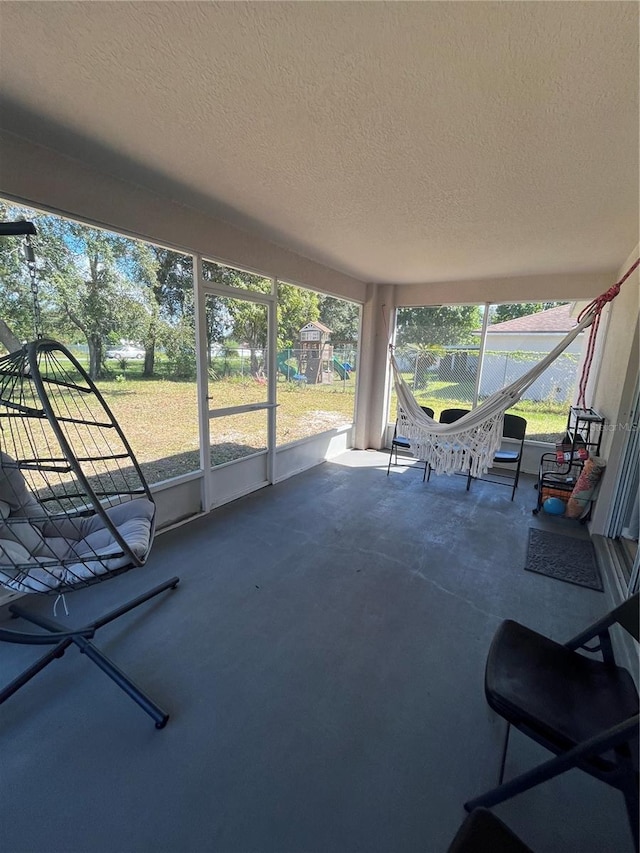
[(169, 276), (441, 325), (16, 299), (16, 305), (101, 288), (247, 322), (342, 317), (296, 308), (94, 285)]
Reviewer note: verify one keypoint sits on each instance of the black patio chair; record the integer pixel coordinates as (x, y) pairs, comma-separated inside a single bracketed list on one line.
[(514, 427), (448, 416), (583, 709), (399, 441)]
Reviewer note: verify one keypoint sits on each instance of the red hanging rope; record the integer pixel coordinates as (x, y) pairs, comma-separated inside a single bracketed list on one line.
[(597, 306)]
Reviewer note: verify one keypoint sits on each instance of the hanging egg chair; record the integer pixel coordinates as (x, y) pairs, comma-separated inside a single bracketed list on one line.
[(75, 508)]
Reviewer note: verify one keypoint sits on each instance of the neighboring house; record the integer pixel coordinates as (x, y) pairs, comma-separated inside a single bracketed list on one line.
[(514, 345)]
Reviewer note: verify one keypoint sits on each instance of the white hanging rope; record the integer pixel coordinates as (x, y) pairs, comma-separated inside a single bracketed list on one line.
[(64, 604), (472, 441)]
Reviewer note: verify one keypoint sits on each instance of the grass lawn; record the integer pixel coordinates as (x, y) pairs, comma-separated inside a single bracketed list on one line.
[(160, 417)]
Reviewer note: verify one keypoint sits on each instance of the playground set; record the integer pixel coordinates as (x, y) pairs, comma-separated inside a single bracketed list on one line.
[(313, 361)]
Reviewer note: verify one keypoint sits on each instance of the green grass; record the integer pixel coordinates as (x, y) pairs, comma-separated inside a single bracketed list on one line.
[(160, 417)]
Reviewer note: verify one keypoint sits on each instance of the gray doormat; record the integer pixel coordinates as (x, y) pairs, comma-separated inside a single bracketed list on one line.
[(565, 558)]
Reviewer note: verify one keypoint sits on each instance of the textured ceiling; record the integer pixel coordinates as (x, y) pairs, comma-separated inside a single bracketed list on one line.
[(398, 142)]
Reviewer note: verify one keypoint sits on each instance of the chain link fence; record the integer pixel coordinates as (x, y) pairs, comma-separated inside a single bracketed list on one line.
[(442, 369), (446, 377), (336, 363), (556, 386), (455, 370)]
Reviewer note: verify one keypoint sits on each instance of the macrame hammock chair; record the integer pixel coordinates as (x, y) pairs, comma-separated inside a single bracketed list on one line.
[(75, 508), (471, 442)]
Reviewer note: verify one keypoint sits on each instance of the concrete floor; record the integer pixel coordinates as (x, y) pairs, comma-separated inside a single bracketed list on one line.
[(323, 661)]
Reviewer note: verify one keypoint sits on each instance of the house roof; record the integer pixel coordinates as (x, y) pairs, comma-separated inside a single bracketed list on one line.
[(556, 319), (318, 325), (402, 143)]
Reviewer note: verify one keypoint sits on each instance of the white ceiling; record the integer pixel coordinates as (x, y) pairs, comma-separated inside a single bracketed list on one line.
[(398, 142)]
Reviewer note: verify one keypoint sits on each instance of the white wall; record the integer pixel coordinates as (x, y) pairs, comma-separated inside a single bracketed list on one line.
[(619, 356), (615, 384), (531, 288)]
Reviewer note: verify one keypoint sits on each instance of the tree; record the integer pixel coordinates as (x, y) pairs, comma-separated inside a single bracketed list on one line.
[(90, 282), (342, 317), (16, 299), (170, 280), (249, 327), (511, 311), (296, 308), (179, 344), (92, 293), (442, 325), (223, 316)]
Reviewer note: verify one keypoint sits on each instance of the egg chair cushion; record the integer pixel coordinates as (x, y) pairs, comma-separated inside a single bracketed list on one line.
[(49, 554)]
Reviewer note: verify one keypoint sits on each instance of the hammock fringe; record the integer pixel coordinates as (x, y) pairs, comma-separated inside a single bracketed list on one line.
[(471, 448)]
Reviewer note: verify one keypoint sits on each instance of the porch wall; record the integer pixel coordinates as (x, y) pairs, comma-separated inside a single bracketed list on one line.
[(529, 288), (613, 384)]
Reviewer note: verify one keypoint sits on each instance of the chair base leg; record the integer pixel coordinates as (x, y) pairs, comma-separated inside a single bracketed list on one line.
[(616, 736), (630, 792), (158, 715), (34, 669), (503, 761), (516, 786)]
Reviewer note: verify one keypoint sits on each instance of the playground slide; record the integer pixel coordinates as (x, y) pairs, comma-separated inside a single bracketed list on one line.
[(339, 369), (286, 369)]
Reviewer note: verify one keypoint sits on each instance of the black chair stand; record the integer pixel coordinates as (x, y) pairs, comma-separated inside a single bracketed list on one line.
[(61, 638), (514, 427)]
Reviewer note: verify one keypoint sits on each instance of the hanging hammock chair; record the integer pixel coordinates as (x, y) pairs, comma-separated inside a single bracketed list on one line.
[(75, 508), (74, 505), (471, 441)]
